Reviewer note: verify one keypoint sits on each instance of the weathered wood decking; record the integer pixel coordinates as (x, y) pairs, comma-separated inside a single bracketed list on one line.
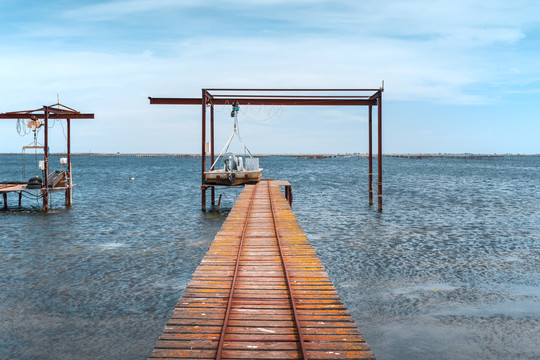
[(261, 321)]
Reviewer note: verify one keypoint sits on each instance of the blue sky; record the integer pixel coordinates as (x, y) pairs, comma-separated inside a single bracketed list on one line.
[(460, 76)]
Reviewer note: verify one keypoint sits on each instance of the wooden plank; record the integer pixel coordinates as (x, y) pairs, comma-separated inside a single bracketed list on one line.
[(261, 322)]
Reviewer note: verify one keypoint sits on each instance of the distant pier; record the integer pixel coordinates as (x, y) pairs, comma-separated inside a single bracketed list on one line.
[(261, 293), (446, 156)]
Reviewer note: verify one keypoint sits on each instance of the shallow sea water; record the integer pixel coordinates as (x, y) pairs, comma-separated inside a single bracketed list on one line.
[(449, 270)]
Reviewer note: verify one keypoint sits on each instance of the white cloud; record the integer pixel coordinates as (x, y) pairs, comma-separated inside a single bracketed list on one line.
[(439, 52), (114, 9)]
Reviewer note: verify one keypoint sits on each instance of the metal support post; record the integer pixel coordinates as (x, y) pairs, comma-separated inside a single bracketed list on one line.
[(212, 190), (69, 178), (203, 152), (370, 155), (45, 188), (380, 155)]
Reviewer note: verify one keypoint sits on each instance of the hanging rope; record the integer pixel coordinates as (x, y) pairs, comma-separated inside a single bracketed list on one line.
[(22, 129), (271, 112), (234, 114), (63, 131)]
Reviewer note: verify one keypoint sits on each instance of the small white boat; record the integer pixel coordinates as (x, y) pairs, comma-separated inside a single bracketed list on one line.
[(234, 172)]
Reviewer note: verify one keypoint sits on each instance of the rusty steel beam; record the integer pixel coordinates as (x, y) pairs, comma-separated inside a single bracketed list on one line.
[(302, 102), (203, 151), (296, 90), (379, 156), (51, 116), (175, 101), (213, 189), (293, 96), (370, 155), (268, 101), (69, 178), (45, 188)]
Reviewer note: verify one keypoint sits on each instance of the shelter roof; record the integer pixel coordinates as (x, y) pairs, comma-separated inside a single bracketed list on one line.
[(56, 111)]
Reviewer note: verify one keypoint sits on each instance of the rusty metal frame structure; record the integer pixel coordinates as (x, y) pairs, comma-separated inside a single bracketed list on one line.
[(45, 113), (285, 97)]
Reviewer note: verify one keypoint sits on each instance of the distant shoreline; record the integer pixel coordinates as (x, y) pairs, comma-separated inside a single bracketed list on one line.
[(319, 156)]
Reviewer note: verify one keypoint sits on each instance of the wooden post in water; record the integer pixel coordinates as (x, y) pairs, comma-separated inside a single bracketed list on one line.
[(219, 202), (5, 201), (289, 190)]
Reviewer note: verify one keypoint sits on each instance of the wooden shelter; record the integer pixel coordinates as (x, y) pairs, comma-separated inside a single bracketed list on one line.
[(52, 181)]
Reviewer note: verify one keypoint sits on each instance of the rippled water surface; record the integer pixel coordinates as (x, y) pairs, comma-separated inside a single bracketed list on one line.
[(449, 270)]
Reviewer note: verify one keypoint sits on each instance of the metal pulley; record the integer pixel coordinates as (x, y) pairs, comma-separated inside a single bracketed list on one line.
[(235, 108)]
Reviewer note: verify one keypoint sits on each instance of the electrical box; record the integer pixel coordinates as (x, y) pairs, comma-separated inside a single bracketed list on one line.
[(63, 161), (41, 165)]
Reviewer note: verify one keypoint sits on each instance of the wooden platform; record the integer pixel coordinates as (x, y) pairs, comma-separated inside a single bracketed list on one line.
[(56, 182), (268, 279)]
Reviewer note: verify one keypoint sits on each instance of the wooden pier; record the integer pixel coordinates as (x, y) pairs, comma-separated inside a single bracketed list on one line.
[(261, 293), (52, 181)]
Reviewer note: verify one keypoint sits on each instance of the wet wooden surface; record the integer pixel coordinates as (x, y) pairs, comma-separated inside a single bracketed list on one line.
[(261, 323), (4, 188)]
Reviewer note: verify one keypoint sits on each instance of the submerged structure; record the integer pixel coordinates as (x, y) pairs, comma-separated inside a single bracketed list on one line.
[(50, 181), (276, 97)]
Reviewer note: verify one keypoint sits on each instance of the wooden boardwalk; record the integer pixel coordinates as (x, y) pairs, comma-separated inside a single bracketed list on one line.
[(262, 250)]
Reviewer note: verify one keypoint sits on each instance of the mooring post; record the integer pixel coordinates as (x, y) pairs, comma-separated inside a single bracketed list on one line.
[(379, 156), (68, 180), (203, 152), (20, 198), (219, 202), (212, 190), (370, 156), (5, 201), (45, 188), (288, 190)]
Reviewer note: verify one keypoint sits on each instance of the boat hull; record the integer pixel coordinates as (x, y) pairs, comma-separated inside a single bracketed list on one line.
[(232, 178)]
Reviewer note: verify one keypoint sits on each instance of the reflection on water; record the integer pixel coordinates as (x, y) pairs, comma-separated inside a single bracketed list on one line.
[(449, 270)]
